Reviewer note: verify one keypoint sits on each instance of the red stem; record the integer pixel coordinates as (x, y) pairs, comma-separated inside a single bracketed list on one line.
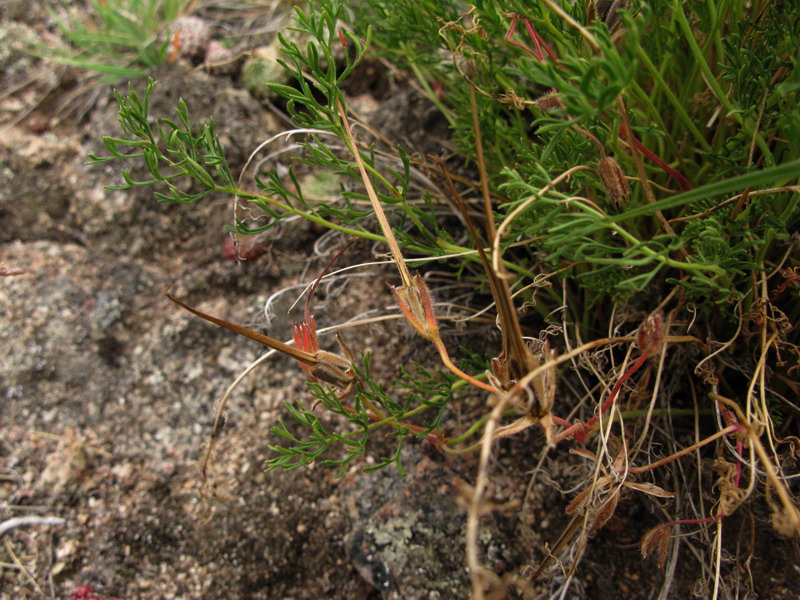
[(715, 517), (613, 395), (682, 181), (325, 270), (580, 430), (540, 43), (539, 55)]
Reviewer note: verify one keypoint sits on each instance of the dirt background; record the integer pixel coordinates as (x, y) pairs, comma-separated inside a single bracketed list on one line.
[(108, 390)]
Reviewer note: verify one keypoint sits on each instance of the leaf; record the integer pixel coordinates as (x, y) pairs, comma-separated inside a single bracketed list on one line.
[(286, 91), (606, 512), (656, 539), (584, 453), (651, 489), (579, 502)]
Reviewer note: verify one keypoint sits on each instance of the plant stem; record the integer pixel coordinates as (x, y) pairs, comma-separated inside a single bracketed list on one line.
[(713, 84), (449, 364), (680, 111), (721, 433), (405, 275)]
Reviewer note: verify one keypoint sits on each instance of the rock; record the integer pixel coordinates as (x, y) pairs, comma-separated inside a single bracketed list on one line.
[(191, 36), (262, 68), (220, 60), (408, 535)]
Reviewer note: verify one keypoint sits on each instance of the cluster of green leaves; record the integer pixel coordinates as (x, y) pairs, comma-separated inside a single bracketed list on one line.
[(334, 448), (189, 153), (659, 64), (117, 39)]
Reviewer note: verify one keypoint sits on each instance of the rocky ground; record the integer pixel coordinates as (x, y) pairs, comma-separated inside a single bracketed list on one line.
[(108, 391)]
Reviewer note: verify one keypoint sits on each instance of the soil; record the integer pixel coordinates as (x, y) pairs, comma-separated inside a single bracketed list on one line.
[(108, 390)]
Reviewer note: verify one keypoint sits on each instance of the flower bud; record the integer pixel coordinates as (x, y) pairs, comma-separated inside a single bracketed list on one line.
[(305, 338), (614, 180)]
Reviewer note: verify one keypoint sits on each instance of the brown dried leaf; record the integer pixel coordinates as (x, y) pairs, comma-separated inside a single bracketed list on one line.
[(605, 513), (549, 102), (519, 425), (656, 539), (584, 453), (545, 384), (580, 501), (651, 489)]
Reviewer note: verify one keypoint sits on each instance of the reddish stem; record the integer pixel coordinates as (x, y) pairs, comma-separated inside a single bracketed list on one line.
[(682, 181), (540, 43), (731, 421), (585, 133), (710, 519), (560, 421), (539, 54), (510, 39), (325, 270), (783, 286), (613, 395), (581, 430), (654, 465), (435, 438)]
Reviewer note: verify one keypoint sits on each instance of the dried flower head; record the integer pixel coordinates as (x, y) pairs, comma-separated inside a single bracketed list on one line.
[(651, 334), (549, 102), (656, 540), (614, 180)]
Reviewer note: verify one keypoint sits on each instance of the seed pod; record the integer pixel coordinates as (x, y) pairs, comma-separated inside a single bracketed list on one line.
[(614, 180), (417, 306)]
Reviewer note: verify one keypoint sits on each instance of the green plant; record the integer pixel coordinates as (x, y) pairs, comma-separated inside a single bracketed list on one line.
[(607, 179), (116, 39)]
